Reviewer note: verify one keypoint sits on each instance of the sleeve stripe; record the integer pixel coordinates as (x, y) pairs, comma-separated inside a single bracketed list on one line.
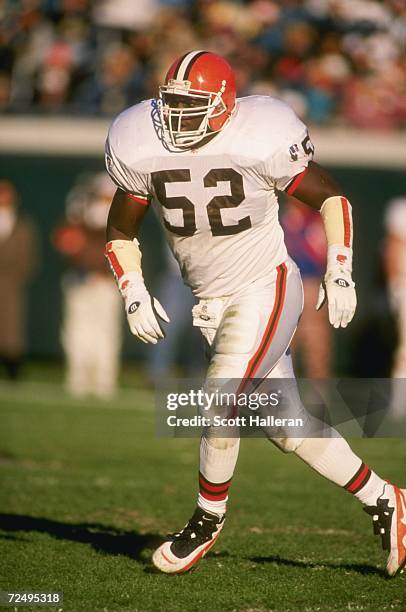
[(347, 222), (294, 184), (139, 199)]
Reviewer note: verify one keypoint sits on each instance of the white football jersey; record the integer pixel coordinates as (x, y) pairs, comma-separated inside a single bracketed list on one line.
[(218, 202)]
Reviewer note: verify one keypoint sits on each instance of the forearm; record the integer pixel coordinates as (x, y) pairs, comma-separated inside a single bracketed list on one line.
[(319, 190), (122, 248), (143, 312), (124, 257), (112, 233), (338, 286), (336, 212)]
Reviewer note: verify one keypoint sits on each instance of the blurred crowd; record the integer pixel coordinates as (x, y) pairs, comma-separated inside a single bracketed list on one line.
[(335, 61)]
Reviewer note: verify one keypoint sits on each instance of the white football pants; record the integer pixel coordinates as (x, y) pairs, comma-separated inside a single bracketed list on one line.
[(253, 332)]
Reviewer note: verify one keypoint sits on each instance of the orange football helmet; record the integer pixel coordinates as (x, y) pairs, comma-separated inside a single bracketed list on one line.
[(203, 77)]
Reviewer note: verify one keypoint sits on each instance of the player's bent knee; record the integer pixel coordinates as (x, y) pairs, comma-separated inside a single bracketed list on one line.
[(287, 445), (218, 442)]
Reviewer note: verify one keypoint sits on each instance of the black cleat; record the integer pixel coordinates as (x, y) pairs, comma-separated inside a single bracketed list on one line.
[(183, 549)]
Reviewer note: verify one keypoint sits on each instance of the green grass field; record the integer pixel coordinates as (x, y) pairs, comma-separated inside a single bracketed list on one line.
[(87, 490)]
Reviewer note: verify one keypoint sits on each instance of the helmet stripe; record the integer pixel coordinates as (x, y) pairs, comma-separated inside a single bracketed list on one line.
[(175, 75), (186, 64), (192, 63)]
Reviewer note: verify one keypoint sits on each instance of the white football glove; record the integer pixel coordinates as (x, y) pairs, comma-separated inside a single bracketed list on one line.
[(338, 289), (143, 311)]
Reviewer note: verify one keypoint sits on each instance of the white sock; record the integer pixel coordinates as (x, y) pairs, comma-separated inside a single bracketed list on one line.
[(334, 459), (373, 488), (218, 457)]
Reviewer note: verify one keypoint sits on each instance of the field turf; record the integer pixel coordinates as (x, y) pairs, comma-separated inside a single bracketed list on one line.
[(87, 491)]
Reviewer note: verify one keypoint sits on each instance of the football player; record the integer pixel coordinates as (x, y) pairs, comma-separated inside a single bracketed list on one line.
[(211, 166)]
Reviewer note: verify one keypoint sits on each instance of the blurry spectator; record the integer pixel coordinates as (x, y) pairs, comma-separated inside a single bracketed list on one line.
[(91, 330), (117, 85), (340, 60), (325, 77), (124, 14), (54, 76), (178, 300), (18, 243), (395, 265), (172, 35), (306, 244), (30, 35)]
